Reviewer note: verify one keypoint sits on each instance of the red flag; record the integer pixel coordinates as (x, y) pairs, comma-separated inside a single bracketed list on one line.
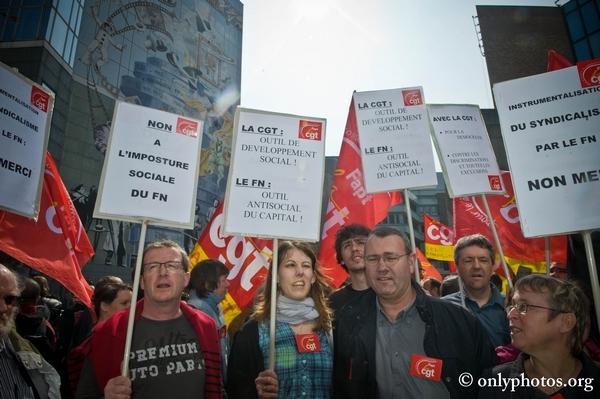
[(56, 244), (429, 271), (557, 61), (349, 202), (439, 239), (470, 218), (246, 258)]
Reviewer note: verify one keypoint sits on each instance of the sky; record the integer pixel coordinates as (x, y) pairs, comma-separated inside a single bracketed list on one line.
[(306, 57)]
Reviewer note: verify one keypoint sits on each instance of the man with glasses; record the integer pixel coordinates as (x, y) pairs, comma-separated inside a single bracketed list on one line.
[(548, 318), (474, 257), (396, 341), (24, 373), (174, 349), (349, 251)]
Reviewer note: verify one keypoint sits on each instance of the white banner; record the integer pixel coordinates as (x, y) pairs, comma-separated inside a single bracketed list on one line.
[(551, 130), (464, 150), (276, 176), (151, 167), (25, 115), (394, 139)]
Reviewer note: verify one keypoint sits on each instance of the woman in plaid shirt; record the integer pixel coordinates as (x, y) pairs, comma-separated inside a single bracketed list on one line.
[(303, 346)]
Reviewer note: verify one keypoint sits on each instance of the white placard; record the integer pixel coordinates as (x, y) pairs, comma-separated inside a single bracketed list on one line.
[(464, 150), (151, 167), (276, 176), (394, 139), (551, 130), (25, 115)]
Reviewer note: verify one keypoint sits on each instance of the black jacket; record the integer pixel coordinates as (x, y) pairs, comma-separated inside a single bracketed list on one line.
[(588, 385), (245, 362), (451, 334)]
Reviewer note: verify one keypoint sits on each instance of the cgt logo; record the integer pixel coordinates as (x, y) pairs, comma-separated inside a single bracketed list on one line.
[(495, 183), (310, 130), (187, 127), (441, 234), (412, 97), (426, 367), (39, 98), (589, 72), (308, 343)]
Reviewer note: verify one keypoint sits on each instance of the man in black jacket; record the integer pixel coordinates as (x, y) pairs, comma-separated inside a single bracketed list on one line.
[(395, 341)]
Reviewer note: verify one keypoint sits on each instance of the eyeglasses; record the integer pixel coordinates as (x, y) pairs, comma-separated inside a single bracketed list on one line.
[(523, 308), (10, 300), (171, 266), (388, 259)]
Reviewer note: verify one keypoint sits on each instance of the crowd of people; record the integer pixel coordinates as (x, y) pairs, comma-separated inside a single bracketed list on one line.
[(382, 335)]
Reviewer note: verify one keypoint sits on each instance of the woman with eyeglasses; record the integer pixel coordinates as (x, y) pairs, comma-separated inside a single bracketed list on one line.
[(303, 347), (547, 319)]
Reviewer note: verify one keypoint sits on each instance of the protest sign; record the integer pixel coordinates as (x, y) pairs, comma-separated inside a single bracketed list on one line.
[(276, 176), (151, 167), (464, 150), (550, 130), (394, 139), (25, 115)]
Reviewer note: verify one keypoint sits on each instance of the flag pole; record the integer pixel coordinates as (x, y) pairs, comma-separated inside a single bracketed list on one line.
[(136, 284), (411, 231), (497, 240), (589, 251), (547, 249), (273, 310)]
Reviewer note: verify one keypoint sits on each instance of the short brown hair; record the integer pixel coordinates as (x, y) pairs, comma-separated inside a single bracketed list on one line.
[(204, 277), (185, 260), (565, 297), (477, 240)]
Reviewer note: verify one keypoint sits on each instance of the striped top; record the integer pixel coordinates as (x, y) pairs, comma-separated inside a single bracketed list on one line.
[(12, 382)]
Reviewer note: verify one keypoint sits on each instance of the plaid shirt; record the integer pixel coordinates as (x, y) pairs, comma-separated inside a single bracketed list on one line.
[(301, 375)]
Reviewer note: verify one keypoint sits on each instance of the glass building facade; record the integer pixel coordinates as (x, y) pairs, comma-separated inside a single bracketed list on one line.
[(180, 56), (583, 20), (56, 21)]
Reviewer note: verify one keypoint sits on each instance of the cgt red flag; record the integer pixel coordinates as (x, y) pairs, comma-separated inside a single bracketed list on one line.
[(557, 61), (428, 270), (349, 202), (246, 258), (439, 241), (470, 218), (56, 244)]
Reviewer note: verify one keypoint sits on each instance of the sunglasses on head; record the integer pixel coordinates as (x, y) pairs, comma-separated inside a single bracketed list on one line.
[(10, 300)]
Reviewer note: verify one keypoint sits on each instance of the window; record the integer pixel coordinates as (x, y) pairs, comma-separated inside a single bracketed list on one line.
[(29, 21), (59, 34)]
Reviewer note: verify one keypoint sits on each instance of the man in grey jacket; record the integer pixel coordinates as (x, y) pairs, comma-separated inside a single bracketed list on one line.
[(23, 371)]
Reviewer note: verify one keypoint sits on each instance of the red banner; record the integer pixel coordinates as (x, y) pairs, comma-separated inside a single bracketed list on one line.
[(56, 244), (428, 270), (470, 218), (557, 61), (246, 258), (349, 202), (439, 239)]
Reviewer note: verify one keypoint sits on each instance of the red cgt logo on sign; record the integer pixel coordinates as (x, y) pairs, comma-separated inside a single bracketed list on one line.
[(39, 98), (495, 182), (187, 127), (589, 72), (310, 130), (412, 97)]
